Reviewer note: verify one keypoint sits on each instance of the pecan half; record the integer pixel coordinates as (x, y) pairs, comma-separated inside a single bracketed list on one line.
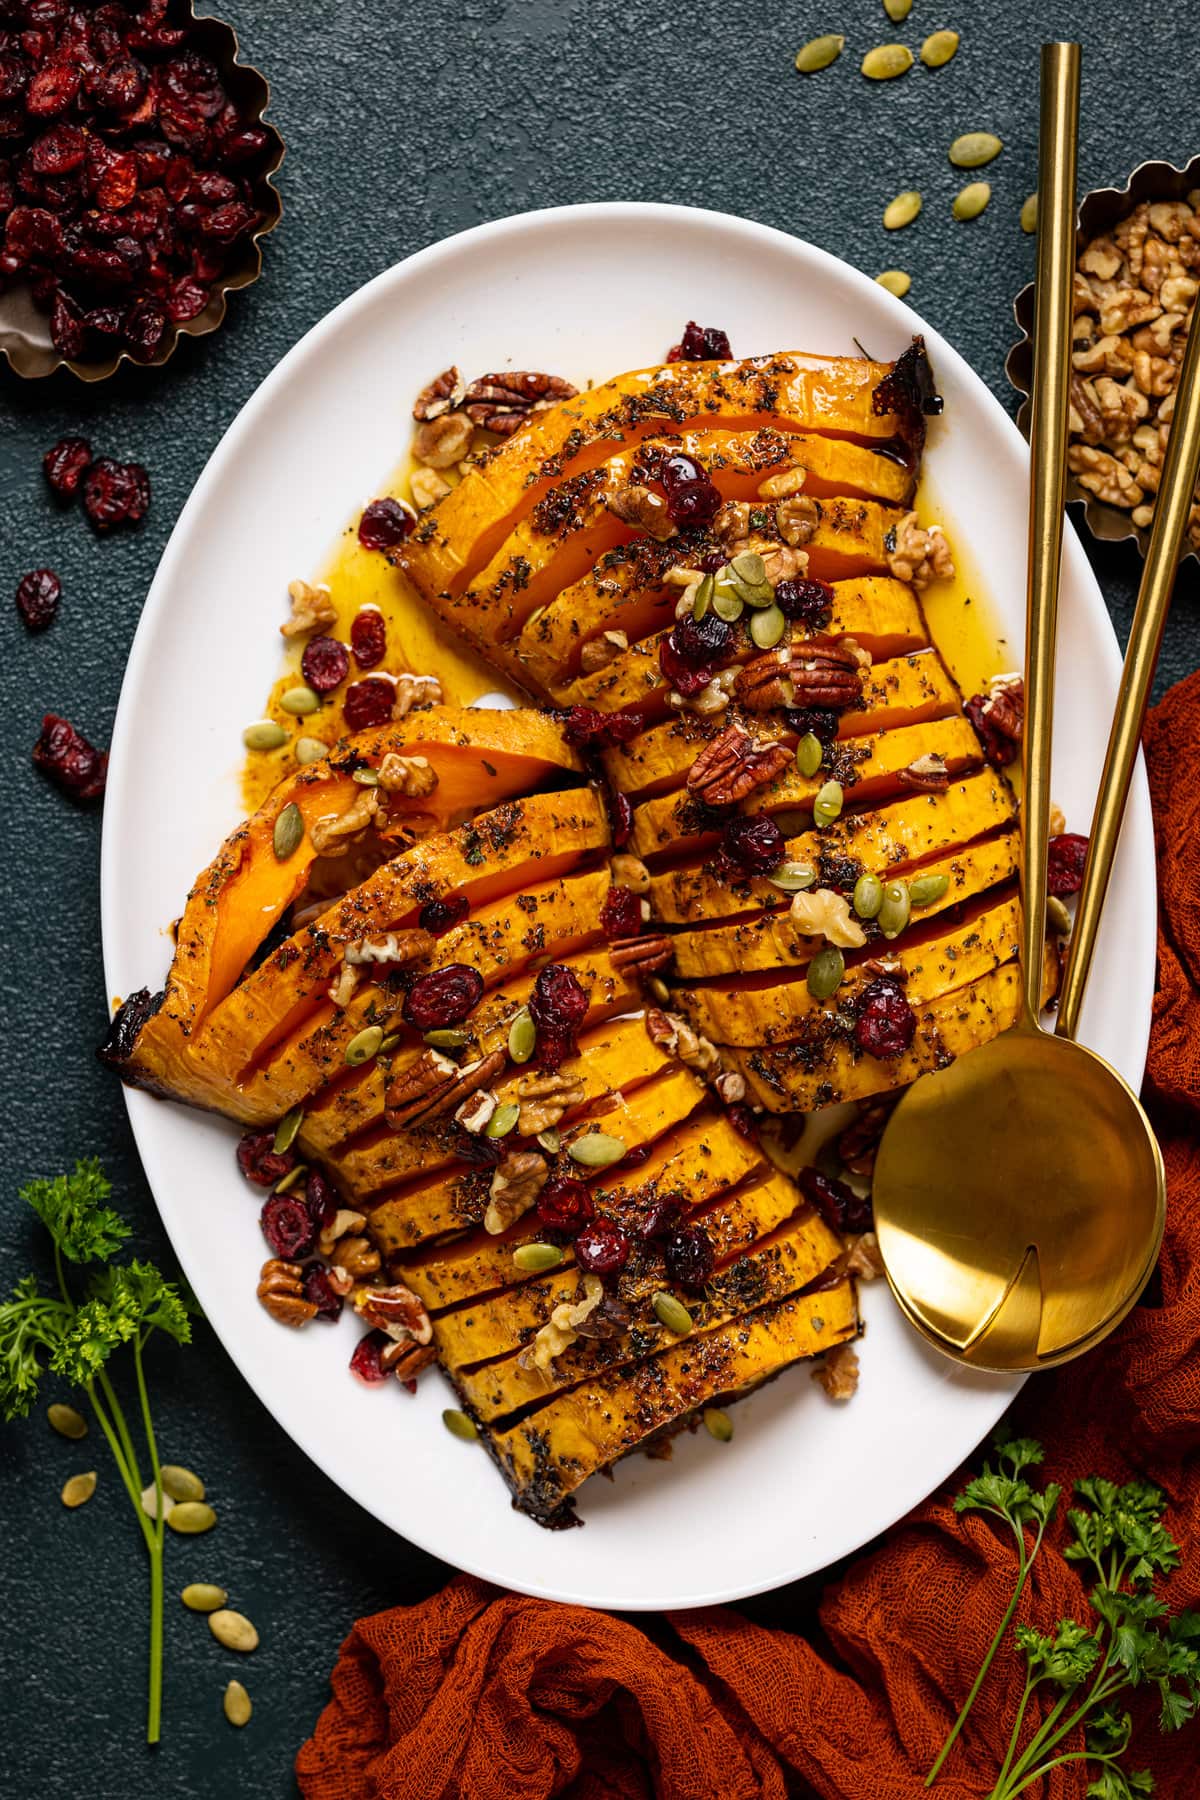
[(765, 683), (857, 1144), (443, 394), (999, 718), (406, 1360), (433, 1085), (642, 508), (825, 672), (280, 1288), (393, 948), (395, 1310), (733, 765), (927, 775), (642, 955), (503, 402)]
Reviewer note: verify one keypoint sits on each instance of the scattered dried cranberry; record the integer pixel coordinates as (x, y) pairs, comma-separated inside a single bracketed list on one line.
[(186, 299), (839, 1206), (742, 1118), (321, 1199), (822, 721), (806, 602), (558, 1005), (602, 1248), (65, 465), (367, 703), (589, 729), (260, 1162), (38, 595), (692, 498), (115, 494), (705, 641), (632, 1159), (886, 1023), (1068, 854), (67, 757), (287, 1227), (318, 1290), (145, 327), (753, 844), (621, 914), (474, 1148), (325, 664), (662, 1217), (365, 1362), (689, 1257), (565, 1205), (706, 343), (443, 998), (52, 89), (439, 916), (368, 638), (620, 817), (687, 678), (384, 525)]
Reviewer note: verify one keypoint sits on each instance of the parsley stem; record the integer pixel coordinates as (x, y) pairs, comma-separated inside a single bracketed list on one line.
[(155, 1547), (119, 1458), (1014, 1735), (1047, 1738)]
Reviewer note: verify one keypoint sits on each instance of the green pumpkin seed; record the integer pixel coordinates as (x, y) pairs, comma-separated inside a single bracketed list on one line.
[(703, 600), (192, 1516), (389, 1043), (792, 877), (902, 210), (895, 281), (927, 888), (750, 568), (459, 1425), (366, 777), (202, 1596), (597, 1150), (718, 1424), (868, 896), (502, 1120), (550, 1140), (66, 1421), (828, 804), (809, 754), (1029, 215), (894, 909), (236, 1704), (291, 1179), (289, 831), (761, 595), (535, 1259), (938, 48), (767, 627), (659, 989), (180, 1483), (310, 750), (300, 700), (150, 1502), (887, 61), (363, 1045), (233, 1630), (974, 149), (819, 52), (264, 735), (727, 604), (825, 972), (285, 1137), (672, 1313), (522, 1036), (1057, 916), (971, 202), (449, 1038), (78, 1490)]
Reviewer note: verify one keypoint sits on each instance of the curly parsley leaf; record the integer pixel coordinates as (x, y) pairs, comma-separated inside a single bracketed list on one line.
[(32, 1324), (72, 1208), (1115, 1784), (1067, 1658)]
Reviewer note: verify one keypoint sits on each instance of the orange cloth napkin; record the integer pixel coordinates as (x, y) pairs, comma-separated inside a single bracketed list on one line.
[(482, 1694)]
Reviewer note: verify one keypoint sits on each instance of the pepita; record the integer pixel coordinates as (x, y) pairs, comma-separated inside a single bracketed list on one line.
[(927, 888), (825, 972), (502, 1120), (894, 909), (522, 1036), (819, 52), (66, 1421), (78, 1489), (828, 804), (659, 989), (237, 1704), (1057, 916), (972, 200), (150, 1502), (718, 1424), (310, 750), (767, 627), (887, 61), (672, 1313), (938, 48), (180, 1483), (550, 1140), (727, 605), (1029, 215), (289, 831), (895, 281), (285, 1137), (897, 10), (459, 1425), (809, 752), (703, 600), (233, 1630), (300, 700), (445, 1038), (750, 568), (203, 1596), (389, 1043), (902, 210), (974, 149), (868, 896), (192, 1517), (792, 877), (294, 1176), (366, 777), (535, 1259), (596, 1150), (363, 1045), (264, 734)]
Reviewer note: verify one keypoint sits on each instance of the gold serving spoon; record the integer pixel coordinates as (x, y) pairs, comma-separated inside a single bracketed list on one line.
[(1019, 1194)]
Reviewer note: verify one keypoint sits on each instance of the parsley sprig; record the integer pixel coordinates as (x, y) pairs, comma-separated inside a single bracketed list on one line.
[(121, 1306)]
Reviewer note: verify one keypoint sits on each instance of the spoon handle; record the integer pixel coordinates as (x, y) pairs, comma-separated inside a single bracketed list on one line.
[(1048, 438), (1141, 655)]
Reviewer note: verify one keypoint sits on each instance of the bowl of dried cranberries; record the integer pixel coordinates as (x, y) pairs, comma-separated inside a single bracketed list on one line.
[(134, 180)]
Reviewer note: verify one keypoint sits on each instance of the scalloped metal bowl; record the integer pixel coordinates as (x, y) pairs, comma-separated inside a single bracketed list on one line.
[(1099, 211), (25, 332)]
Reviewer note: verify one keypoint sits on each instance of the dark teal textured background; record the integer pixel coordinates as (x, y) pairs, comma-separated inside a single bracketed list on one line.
[(404, 123)]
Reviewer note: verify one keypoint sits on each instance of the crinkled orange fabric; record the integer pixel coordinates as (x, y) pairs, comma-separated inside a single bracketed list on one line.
[(482, 1694)]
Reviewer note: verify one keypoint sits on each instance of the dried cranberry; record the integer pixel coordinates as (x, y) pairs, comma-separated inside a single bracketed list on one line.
[(260, 1162), (689, 1257), (67, 757), (443, 998), (30, 232), (194, 82), (742, 1118), (58, 150), (384, 525), (106, 322), (753, 844), (52, 89), (679, 471), (115, 494), (38, 595), (186, 299), (703, 641), (226, 223), (317, 1289), (368, 637), (564, 1204), (839, 1206), (365, 1362), (558, 1005), (821, 721), (620, 817), (118, 184), (439, 916), (806, 602), (695, 503), (1068, 854), (145, 324), (662, 1217), (243, 144), (474, 1148), (886, 1023), (704, 343), (621, 914), (14, 75), (687, 678), (287, 1227), (321, 1199), (602, 1248), (589, 729), (367, 703), (118, 85), (67, 330), (325, 664)]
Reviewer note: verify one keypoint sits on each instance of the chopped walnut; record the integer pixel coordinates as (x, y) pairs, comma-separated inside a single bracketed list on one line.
[(442, 441), (837, 1373), (796, 519), (344, 1223), (559, 1334), (631, 872), (395, 948), (331, 837), (1101, 474), (312, 609), (731, 525), (544, 1099), (642, 508), (597, 653), (674, 1035), (822, 913), (395, 1310), (413, 776), (359, 1257), (1058, 820), (783, 485), (443, 395), (730, 1086), (864, 1259), (918, 554), (427, 487), (281, 1290), (516, 1184), (782, 562), (341, 989)]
